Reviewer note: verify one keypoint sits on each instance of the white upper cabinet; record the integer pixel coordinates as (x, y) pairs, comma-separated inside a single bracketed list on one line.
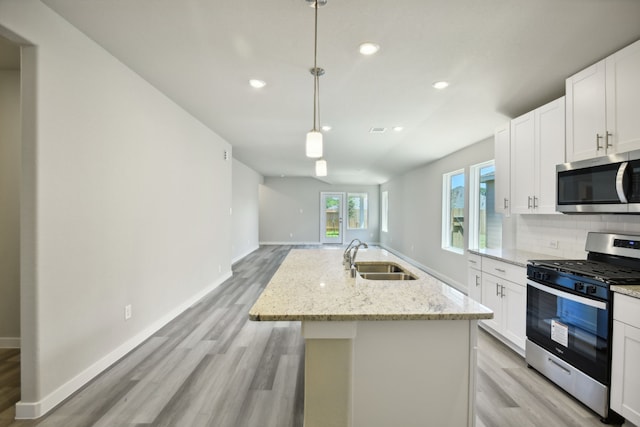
[(602, 106), (502, 156), (537, 146), (623, 99), (550, 151)]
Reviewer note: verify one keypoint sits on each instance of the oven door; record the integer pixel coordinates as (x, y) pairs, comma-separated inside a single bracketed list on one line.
[(574, 328)]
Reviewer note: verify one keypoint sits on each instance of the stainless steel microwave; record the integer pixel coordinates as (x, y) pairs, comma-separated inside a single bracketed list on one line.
[(609, 184)]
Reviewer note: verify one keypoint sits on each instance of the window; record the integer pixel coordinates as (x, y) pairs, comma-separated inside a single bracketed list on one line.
[(453, 211), (357, 211), (485, 225), (384, 215)]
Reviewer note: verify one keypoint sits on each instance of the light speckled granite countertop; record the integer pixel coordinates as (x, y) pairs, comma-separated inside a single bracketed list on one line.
[(512, 256), (631, 290), (520, 258), (312, 284)]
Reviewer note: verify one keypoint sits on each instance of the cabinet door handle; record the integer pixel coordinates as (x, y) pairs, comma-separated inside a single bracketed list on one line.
[(506, 203), (497, 289), (606, 140), (501, 291), (477, 280), (598, 138), (529, 202), (535, 202)]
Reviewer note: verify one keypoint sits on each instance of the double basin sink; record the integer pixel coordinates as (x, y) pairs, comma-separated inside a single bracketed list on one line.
[(381, 270)]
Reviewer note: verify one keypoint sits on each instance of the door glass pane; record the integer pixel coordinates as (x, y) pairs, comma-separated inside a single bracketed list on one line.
[(332, 216)]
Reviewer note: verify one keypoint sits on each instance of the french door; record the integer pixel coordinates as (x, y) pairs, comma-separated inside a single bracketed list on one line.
[(331, 213)]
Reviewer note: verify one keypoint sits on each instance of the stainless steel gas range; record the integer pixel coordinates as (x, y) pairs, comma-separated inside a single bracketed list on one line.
[(569, 316)]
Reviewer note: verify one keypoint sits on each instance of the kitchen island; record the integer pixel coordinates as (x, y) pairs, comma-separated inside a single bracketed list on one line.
[(377, 352)]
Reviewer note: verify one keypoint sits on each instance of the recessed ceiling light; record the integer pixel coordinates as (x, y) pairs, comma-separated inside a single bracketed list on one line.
[(326, 128), (441, 85), (258, 84), (369, 48), (398, 128)]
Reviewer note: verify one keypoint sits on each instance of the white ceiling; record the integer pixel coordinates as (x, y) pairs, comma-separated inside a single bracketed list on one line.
[(502, 58)]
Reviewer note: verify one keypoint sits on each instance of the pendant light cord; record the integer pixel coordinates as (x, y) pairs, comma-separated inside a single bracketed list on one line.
[(316, 80)]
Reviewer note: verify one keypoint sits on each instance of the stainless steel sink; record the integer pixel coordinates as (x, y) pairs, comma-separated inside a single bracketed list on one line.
[(381, 270), (378, 267), (388, 276)]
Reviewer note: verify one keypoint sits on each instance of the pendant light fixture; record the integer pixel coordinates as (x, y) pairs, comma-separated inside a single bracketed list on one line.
[(314, 136), (321, 167)]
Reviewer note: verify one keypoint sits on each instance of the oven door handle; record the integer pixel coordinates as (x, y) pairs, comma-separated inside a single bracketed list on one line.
[(553, 291)]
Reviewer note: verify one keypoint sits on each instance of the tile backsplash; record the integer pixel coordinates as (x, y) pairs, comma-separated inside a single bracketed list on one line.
[(565, 235)]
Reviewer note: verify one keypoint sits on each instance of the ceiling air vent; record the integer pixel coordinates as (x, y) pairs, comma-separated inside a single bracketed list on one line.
[(377, 130)]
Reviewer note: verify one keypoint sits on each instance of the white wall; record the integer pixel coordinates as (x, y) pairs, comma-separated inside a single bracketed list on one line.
[(290, 210), (246, 210), (9, 208), (126, 201), (415, 213)]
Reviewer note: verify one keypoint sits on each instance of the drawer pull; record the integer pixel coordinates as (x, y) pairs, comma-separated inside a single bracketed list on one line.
[(500, 270), (559, 365)]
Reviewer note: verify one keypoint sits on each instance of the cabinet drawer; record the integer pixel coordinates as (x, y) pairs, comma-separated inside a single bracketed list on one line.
[(626, 309), (474, 261), (507, 271)]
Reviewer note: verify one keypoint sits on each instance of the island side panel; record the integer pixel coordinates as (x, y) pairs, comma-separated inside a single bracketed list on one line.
[(327, 387), (413, 373)]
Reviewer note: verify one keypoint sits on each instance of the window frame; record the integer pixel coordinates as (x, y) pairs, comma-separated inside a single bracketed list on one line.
[(474, 202), (384, 211), (364, 216), (446, 210)]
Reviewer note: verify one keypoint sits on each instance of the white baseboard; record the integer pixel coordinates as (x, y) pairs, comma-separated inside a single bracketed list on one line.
[(448, 280), (31, 410), (9, 342), (290, 243), (240, 257)]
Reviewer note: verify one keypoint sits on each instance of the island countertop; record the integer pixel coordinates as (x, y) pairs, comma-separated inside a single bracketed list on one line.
[(312, 285)]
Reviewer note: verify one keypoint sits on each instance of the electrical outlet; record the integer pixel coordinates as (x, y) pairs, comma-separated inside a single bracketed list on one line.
[(553, 244), (127, 312)]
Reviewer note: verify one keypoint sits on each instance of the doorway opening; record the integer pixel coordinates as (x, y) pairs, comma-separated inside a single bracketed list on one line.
[(10, 188)]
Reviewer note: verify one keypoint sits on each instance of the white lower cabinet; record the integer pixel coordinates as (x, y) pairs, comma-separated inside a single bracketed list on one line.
[(625, 375), (501, 287), (508, 300), (474, 277), (504, 291)]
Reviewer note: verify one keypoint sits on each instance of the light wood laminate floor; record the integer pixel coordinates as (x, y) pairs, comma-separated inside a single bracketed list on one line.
[(213, 367)]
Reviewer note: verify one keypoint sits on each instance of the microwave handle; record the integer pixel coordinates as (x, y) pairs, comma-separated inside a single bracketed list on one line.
[(620, 182)]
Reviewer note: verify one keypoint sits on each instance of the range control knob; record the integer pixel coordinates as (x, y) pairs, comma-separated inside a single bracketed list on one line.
[(591, 289), (579, 286)]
